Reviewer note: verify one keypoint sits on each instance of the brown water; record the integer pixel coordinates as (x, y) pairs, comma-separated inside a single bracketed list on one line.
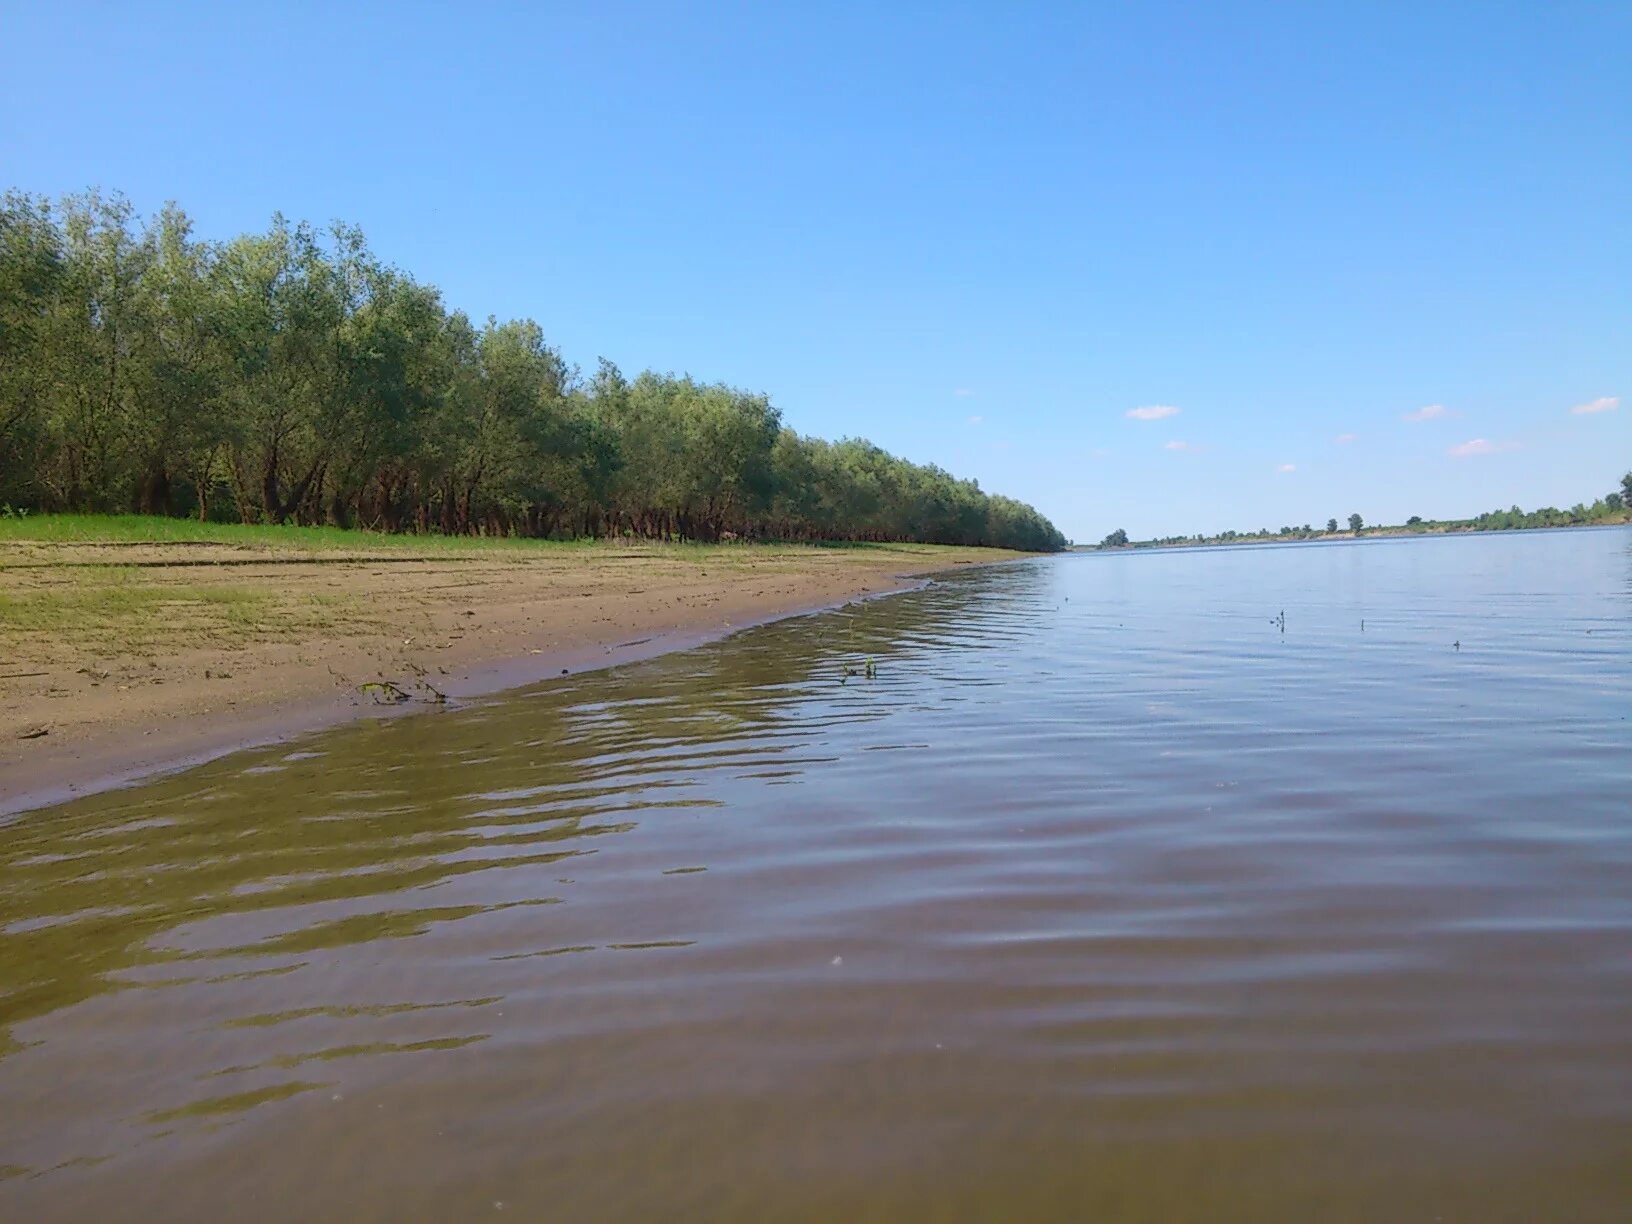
[(1105, 900)]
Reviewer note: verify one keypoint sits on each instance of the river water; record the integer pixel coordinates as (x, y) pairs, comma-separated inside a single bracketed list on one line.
[(1106, 897)]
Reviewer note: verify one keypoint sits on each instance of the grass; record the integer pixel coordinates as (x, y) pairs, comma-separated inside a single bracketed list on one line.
[(40, 611), (56, 588), (120, 609), (148, 529)]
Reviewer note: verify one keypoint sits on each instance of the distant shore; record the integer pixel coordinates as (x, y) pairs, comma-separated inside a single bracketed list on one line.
[(1368, 533), (121, 657)]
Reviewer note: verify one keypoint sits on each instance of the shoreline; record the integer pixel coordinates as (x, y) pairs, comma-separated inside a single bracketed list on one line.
[(285, 694), (1343, 537)]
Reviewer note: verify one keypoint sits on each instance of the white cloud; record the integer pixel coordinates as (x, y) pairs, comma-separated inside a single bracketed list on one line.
[(976, 420), (1152, 412), (1479, 446), (1176, 445), (963, 392), (1099, 452), (1345, 439), (1607, 403), (1287, 467), (1429, 412)]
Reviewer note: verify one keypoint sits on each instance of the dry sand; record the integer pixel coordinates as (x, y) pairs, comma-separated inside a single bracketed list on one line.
[(121, 659)]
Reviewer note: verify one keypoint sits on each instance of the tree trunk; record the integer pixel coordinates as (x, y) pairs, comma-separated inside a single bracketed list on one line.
[(155, 490)]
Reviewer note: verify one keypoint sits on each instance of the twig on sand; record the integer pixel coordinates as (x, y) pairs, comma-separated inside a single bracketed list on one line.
[(387, 692), (384, 692)]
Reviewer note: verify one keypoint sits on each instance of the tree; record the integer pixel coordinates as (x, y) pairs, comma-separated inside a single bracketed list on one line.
[(1356, 523), (175, 426), (98, 342), (292, 376), (1117, 539), (1331, 525), (1414, 521), (1626, 488), (1614, 501), (32, 269)]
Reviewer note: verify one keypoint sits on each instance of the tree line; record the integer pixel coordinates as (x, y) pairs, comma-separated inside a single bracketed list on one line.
[(292, 376), (1613, 507)]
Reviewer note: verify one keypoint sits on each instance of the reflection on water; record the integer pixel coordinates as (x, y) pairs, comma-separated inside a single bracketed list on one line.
[(1105, 899)]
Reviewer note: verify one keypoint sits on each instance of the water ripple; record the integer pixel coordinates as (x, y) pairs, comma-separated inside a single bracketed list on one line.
[(1103, 898)]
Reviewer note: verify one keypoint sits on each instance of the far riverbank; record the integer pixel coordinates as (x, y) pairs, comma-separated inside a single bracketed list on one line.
[(1368, 533)]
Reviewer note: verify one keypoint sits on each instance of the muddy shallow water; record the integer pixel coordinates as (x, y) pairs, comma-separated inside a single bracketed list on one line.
[(1104, 898)]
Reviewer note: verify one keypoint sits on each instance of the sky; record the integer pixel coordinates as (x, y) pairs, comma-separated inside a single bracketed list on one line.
[(1169, 268)]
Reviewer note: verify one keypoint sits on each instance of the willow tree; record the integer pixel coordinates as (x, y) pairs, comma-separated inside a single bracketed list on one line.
[(292, 376)]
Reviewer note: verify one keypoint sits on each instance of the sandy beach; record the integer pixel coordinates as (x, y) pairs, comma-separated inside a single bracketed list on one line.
[(121, 658)]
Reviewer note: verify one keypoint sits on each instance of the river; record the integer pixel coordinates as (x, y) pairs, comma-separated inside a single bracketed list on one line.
[(1082, 888)]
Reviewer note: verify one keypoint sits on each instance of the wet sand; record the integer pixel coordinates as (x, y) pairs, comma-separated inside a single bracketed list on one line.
[(118, 660)]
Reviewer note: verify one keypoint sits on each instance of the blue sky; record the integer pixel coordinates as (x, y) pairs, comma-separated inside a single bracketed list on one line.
[(979, 235)]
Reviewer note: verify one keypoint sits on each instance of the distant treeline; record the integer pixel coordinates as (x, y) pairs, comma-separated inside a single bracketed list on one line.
[(291, 376), (1614, 507)]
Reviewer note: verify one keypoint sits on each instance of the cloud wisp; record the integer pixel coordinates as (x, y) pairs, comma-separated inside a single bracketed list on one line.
[(1475, 447), (1286, 467), (977, 420), (1177, 445), (1428, 412), (1604, 403), (1152, 412), (963, 392), (1345, 439)]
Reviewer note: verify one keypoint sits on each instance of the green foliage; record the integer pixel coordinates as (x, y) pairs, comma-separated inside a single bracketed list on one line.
[(1611, 508), (1117, 539), (290, 377), (1608, 509)]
